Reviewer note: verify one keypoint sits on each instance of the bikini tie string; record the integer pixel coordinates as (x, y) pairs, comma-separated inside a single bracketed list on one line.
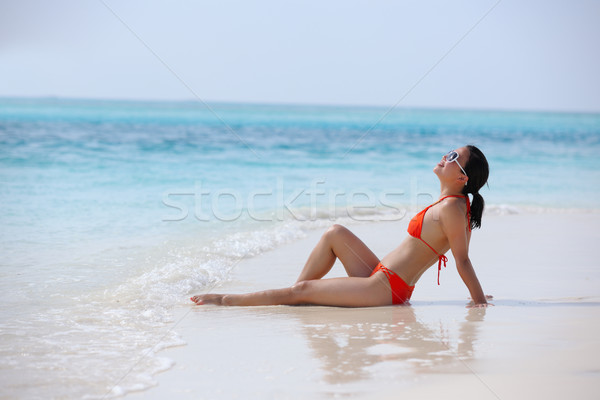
[(443, 259)]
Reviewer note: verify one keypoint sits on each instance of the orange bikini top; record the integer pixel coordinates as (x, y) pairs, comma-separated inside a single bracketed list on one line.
[(416, 225)]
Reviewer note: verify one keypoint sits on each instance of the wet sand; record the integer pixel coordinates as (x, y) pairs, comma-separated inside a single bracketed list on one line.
[(538, 341)]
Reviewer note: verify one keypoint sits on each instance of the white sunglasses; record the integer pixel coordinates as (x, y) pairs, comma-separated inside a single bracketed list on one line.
[(451, 156)]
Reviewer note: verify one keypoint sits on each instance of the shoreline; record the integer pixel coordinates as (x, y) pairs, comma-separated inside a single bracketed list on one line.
[(314, 351), (116, 214)]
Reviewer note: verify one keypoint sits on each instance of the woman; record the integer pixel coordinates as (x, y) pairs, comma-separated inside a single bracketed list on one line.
[(444, 225)]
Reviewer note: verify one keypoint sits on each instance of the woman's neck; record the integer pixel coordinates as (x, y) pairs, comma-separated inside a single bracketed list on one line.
[(448, 191)]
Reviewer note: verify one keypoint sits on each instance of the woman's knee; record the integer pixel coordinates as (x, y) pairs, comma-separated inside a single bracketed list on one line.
[(336, 230), (299, 291)]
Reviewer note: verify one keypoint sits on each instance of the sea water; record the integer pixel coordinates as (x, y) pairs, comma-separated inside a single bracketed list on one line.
[(115, 212)]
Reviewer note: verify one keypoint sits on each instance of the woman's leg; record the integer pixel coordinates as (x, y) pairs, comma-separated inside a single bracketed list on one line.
[(356, 291), (343, 292), (339, 242)]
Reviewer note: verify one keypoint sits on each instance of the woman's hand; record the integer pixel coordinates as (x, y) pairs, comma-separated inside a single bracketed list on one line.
[(472, 304)]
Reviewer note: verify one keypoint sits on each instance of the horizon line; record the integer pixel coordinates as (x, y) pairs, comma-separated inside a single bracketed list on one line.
[(305, 104)]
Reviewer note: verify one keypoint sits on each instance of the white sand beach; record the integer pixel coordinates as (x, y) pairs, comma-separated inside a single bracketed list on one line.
[(538, 341), (153, 151)]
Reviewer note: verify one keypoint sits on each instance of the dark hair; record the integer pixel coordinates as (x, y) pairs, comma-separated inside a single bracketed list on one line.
[(477, 170)]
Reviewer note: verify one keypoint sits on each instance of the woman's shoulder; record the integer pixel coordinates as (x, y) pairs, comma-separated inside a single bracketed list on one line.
[(453, 206), (454, 201)]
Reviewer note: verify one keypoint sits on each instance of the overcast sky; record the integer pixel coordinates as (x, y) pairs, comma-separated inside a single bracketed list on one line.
[(538, 55)]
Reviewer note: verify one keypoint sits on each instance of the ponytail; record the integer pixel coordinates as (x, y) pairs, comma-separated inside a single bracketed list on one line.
[(476, 210), (477, 170)]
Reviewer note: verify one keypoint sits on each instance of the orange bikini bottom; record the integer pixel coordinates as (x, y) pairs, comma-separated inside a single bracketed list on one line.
[(401, 292)]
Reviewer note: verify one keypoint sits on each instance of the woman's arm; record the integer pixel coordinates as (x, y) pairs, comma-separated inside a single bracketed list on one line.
[(467, 273), (454, 225)]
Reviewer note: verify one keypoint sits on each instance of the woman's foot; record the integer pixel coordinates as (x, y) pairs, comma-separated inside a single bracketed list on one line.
[(208, 299)]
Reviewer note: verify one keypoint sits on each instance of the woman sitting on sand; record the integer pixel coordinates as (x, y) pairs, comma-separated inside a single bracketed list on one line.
[(446, 224)]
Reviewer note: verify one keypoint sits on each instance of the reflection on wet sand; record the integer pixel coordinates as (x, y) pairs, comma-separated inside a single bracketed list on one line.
[(353, 344)]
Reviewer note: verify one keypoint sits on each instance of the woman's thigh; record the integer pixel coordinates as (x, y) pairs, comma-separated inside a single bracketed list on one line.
[(355, 255), (345, 292)]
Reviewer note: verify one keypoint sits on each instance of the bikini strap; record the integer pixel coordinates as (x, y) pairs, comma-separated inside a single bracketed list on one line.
[(452, 195), (441, 259)]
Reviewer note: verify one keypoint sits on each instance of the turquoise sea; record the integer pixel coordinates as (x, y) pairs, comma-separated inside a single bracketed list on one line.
[(114, 212)]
